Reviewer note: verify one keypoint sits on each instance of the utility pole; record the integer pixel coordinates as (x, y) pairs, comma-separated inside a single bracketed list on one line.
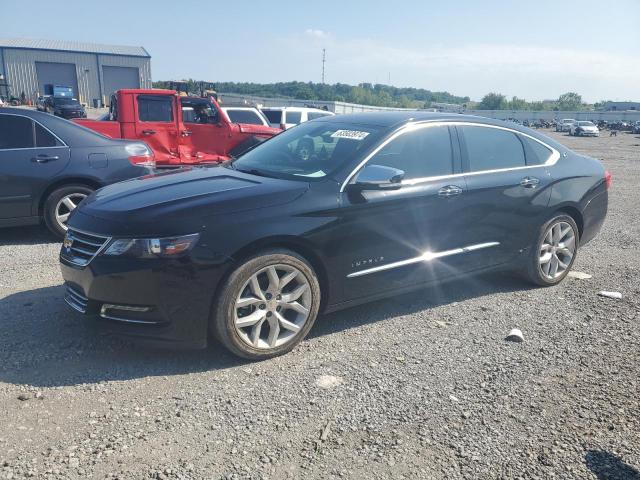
[(324, 60)]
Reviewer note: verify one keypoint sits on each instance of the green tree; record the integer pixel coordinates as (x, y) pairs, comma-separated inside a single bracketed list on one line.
[(569, 101), (493, 101)]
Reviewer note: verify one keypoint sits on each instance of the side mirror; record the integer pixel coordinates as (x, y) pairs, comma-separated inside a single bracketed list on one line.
[(378, 177)]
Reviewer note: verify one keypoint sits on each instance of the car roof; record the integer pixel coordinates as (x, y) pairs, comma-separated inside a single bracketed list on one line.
[(396, 119), (239, 108), (297, 109)]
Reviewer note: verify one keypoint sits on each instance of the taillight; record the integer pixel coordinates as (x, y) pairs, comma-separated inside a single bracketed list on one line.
[(140, 155), (607, 179)]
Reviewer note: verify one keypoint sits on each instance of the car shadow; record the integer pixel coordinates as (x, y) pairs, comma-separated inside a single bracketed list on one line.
[(46, 344), (31, 235), (606, 466)]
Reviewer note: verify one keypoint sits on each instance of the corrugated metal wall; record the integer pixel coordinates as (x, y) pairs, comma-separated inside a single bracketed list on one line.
[(21, 70)]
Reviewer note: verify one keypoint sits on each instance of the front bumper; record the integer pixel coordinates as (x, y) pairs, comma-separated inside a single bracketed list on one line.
[(162, 302)]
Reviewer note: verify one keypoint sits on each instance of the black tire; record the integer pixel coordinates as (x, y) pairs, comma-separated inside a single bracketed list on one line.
[(223, 313), (51, 203), (533, 271)]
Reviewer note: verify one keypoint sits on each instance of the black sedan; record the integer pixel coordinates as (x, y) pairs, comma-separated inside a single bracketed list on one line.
[(49, 165), (380, 204)]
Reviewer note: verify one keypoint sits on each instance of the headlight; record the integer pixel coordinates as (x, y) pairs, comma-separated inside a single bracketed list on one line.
[(169, 247)]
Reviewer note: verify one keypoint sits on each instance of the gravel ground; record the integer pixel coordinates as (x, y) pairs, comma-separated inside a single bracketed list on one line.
[(421, 386)]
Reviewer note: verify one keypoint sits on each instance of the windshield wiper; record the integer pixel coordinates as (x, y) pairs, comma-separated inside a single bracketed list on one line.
[(254, 171)]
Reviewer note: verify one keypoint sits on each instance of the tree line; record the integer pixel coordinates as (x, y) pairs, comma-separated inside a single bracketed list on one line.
[(385, 95), (365, 93)]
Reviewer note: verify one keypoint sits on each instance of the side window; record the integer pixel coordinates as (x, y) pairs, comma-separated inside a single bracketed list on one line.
[(274, 116), (198, 112), (537, 153), (492, 148), (293, 117), (425, 152), (44, 138), (15, 132), (155, 108)]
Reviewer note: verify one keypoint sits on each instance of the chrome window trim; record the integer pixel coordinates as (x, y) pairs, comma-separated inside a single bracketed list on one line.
[(552, 160), (425, 257), (64, 145)]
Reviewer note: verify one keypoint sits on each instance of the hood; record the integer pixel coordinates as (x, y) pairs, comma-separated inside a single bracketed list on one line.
[(157, 204), (258, 129)]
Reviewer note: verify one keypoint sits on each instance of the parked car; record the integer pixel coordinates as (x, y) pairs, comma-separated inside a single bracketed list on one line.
[(64, 107), (287, 117), (247, 115), (584, 129), (636, 127), (49, 165), (564, 125), (40, 103), (181, 130), (388, 202)]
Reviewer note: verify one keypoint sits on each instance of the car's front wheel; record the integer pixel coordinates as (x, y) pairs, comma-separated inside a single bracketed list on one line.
[(267, 305), (554, 251), (59, 205)]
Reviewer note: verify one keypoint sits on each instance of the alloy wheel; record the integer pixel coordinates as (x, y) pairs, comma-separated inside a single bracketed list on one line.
[(557, 250), (272, 307), (65, 206)]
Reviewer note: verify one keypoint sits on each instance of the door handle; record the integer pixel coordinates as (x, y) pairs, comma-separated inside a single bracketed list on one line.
[(44, 158), (449, 191), (186, 133), (529, 182), (148, 132)]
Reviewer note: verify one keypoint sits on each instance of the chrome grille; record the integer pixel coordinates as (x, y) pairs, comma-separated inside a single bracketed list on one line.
[(76, 300), (79, 248)]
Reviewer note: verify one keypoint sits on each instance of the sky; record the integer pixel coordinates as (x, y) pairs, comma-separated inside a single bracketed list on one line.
[(535, 50)]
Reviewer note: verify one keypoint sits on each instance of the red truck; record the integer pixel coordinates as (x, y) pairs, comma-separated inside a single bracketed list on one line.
[(180, 130)]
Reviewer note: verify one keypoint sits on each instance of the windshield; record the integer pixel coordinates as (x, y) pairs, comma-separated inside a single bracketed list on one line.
[(65, 101), (310, 151), (585, 124)]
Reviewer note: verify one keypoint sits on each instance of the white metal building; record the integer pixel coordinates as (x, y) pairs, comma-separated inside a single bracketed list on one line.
[(93, 71)]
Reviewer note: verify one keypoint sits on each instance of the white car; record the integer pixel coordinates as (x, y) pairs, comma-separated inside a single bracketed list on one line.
[(246, 115), (584, 129), (564, 125), (287, 117)]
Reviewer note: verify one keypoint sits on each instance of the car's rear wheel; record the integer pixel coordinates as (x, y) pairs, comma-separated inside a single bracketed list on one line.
[(554, 251), (267, 305), (59, 205)]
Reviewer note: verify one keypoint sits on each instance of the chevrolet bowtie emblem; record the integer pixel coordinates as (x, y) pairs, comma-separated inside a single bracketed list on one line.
[(67, 242)]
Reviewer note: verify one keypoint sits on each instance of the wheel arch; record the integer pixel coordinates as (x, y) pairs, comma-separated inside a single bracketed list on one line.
[(574, 213), (89, 182)]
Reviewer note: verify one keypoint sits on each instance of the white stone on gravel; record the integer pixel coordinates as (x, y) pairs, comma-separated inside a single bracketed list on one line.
[(614, 295), (579, 275), (328, 381), (515, 335)]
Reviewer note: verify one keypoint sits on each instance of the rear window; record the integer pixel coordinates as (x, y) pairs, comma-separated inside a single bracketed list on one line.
[(155, 108), (537, 153), (274, 116), (244, 116), (314, 115), (293, 117), (15, 132)]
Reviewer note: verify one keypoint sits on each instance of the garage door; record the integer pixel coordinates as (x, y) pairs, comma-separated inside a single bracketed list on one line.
[(49, 74), (116, 78)]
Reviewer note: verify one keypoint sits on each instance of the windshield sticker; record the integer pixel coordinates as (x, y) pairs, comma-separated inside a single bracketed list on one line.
[(317, 174), (351, 134)]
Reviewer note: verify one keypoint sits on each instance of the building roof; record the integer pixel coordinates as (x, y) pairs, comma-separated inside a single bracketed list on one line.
[(69, 46)]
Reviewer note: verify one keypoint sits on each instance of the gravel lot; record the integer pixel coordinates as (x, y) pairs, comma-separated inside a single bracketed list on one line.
[(422, 386)]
